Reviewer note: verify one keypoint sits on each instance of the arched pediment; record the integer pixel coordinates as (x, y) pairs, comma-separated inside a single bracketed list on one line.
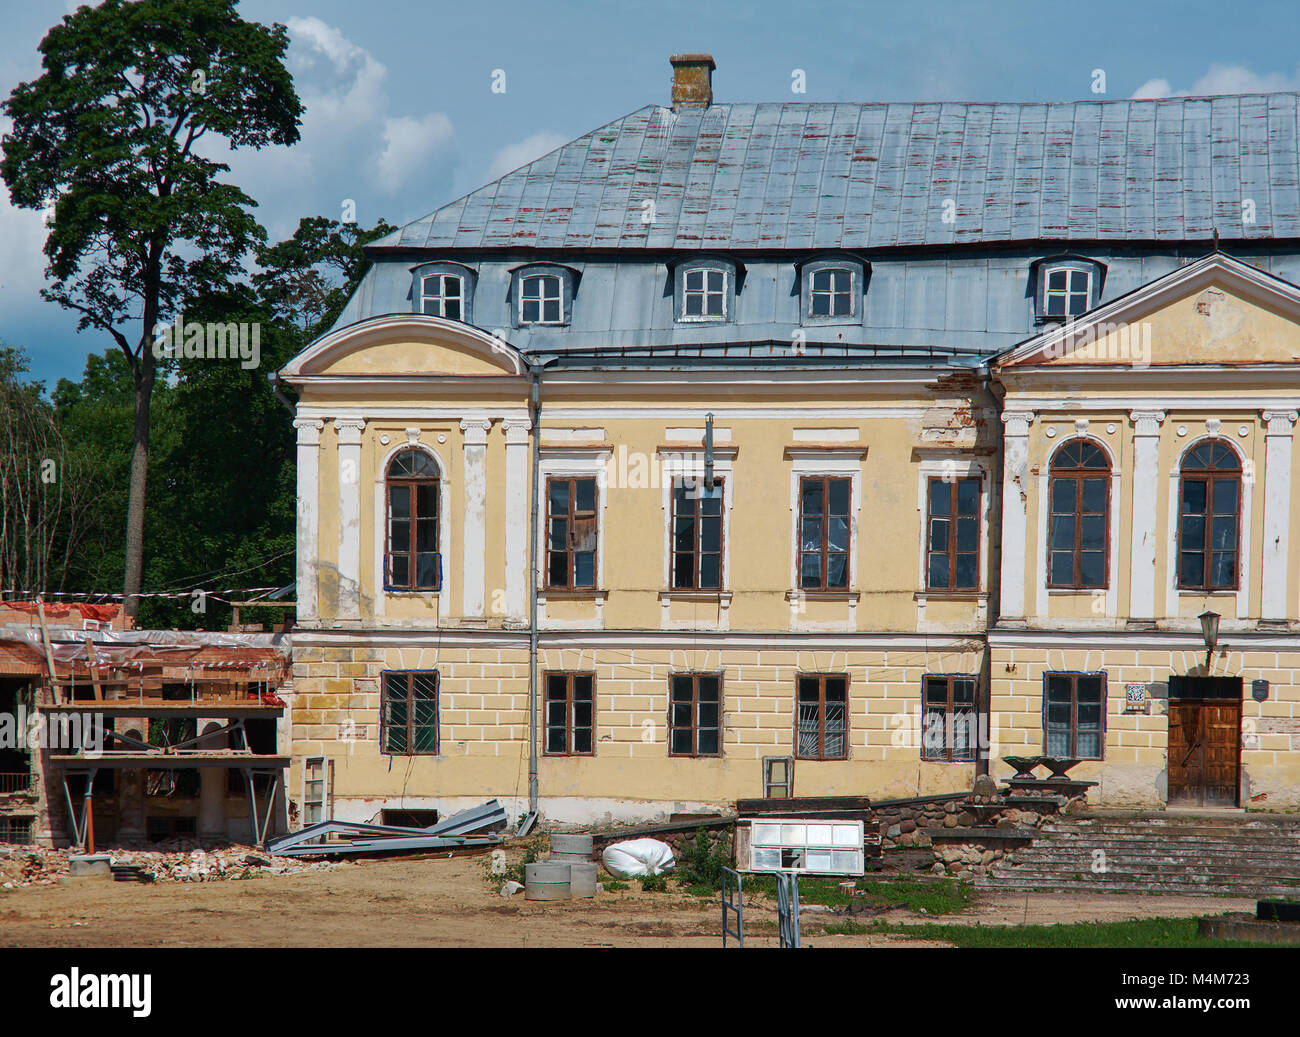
[(407, 344)]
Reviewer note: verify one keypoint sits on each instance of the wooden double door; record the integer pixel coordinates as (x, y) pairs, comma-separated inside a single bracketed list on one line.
[(1204, 741)]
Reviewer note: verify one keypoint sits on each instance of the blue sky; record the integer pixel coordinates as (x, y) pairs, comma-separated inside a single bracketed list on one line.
[(401, 114)]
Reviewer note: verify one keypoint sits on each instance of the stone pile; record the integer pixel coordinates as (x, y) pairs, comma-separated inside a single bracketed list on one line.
[(39, 866)]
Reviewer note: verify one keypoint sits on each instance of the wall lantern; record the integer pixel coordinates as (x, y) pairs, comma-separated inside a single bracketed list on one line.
[(1210, 632)]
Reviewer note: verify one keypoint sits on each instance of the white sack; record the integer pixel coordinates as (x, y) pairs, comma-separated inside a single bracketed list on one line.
[(635, 858)]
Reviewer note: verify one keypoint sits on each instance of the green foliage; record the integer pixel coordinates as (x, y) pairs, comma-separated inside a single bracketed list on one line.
[(1143, 932), (615, 886), (937, 897), (703, 859), (654, 884)]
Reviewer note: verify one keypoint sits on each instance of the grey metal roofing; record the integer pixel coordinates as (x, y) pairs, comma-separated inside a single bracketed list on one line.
[(813, 176)]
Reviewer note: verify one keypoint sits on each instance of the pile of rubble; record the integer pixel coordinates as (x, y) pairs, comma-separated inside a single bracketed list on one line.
[(174, 862)]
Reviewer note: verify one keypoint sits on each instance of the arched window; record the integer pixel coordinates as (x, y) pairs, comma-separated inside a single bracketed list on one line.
[(1079, 536), (413, 562), (1209, 513)]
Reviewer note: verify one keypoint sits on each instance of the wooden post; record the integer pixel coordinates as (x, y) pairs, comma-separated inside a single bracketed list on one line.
[(49, 651), (94, 675)]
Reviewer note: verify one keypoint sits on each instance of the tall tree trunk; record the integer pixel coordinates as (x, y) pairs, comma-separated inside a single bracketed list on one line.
[(143, 371)]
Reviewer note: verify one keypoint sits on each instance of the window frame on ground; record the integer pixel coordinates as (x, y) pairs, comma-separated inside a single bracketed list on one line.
[(821, 550), (569, 555), (570, 728), (417, 732), (952, 712), (1200, 465), (821, 681), (414, 486), (1073, 727), (1091, 465), (694, 706), (693, 491), (310, 801), (955, 520)]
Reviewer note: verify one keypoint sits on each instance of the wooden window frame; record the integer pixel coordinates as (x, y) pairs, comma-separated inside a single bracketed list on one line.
[(1068, 292), (385, 726), (821, 679), (1210, 476), (719, 488), (570, 726), (440, 297), (571, 518), (412, 561), (1074, 676), (825, 551), (950, 679), (951, 549), (695, 725), (1077, 476)]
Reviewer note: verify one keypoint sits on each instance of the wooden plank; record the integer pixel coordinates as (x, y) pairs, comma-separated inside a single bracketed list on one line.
[(791, 805)]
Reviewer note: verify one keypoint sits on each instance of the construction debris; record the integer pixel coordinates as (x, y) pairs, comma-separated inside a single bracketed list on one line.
[(38, 866), (334, 838)]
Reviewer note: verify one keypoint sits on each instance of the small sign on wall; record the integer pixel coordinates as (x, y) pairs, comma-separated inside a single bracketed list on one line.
[(1259, 690), (1136, 699)]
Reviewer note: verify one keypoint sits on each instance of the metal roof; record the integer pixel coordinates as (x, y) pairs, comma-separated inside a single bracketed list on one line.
[(828, 176)]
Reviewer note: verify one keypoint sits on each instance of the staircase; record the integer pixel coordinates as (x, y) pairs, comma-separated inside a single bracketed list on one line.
[(1223, 854)]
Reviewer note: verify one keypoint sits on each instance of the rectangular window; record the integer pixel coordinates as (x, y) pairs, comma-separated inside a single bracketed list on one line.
[(413, 534), (1208, 519), (1067, 292), (443, 296), (570, 714), (541, 300), (1073, 708), (704, 294), (823, 717), (824, 532), (949, 731), (571, 533), (410, 713), (314, 770), (831, 293), (953, 542), (697, 535), (695, 714)]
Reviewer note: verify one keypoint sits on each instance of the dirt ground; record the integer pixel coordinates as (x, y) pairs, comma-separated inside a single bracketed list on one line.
[(450, 903)]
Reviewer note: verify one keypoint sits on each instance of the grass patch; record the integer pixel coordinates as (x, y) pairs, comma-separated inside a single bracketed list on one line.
[(1144, 932), (941, 897), (615, 886)]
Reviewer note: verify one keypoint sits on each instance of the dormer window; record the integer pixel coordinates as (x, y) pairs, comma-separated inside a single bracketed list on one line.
[(543, 295), (443, 295), (443, 290), (705, 290), (704, 294), (830, 288), (1068, 287), (542, 300), (831, 293)]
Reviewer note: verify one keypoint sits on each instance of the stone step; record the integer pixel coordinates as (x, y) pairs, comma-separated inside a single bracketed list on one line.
[(1059, 885), (1283, 876), (1188, 832)]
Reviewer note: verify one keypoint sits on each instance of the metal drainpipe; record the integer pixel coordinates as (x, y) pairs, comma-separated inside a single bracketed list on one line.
[(535, 413)]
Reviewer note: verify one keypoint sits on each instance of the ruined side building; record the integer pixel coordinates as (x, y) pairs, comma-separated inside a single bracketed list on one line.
[(859, 445)]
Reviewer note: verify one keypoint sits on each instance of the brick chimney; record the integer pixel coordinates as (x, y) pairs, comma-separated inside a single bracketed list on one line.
[(692, 80)]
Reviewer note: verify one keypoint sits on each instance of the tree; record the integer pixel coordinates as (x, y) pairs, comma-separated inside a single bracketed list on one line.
[(44, 490), (141, 223)]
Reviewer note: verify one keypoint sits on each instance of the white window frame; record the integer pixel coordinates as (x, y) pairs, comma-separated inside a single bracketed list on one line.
[(954, 465), (813, 292), (440, 298), (324, 788), (541, 299), (704, 292), (573, 463), (1069, 269)]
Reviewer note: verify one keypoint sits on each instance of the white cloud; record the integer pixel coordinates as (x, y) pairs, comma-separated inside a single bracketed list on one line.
[(411, 144), (1223, 79), (512, 156)]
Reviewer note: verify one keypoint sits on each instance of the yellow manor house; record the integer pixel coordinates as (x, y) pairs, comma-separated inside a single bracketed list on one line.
[(835, 448)]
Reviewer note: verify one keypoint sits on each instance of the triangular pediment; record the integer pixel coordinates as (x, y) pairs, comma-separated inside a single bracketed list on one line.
[(1216, 311)]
